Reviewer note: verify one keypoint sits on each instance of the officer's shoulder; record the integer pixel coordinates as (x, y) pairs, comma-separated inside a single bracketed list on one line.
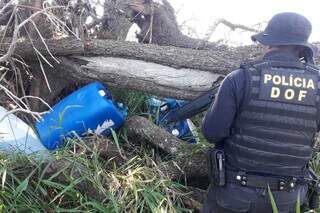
[(235, 78), (235, 73), (313, 67), (245, 66), (252, 64)]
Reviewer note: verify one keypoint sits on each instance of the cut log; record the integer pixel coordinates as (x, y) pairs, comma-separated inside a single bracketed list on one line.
[(139, 75), (216, 61), (190, 164), (161, 70), (141, 129), (171, 72), (185, 72), (190, 160)]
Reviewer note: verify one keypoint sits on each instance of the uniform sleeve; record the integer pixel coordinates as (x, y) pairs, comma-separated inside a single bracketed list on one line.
[(219, 118)]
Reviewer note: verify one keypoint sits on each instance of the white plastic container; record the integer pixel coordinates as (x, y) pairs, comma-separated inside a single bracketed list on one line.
[(17, 136)]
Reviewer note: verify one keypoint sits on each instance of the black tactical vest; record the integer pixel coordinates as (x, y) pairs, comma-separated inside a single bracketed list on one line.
[(274, 131)]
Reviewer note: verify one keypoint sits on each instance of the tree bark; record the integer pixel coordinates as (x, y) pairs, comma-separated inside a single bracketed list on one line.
[(165, 71), (159, 26), (189, 160), (216, 61), (176, 72), (139, 75), (114, 23), (141, 129), (39, 87), (193, 164)]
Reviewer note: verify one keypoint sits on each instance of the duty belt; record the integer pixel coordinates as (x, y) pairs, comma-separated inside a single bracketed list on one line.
[(259, 181)]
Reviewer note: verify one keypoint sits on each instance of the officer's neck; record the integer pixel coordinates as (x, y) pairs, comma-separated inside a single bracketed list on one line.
[(281, 54)]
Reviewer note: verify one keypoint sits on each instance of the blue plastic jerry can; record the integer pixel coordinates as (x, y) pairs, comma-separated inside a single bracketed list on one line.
[(90, 109)]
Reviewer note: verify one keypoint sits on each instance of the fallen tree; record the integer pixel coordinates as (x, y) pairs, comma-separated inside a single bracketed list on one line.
[(167, 71), (182, 67), (216, 61), (161, 70), (164, 62)]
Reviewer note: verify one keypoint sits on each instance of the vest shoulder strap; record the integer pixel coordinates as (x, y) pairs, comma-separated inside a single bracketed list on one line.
[(286, 64), (247, 67), (247, 64), (313, 69)]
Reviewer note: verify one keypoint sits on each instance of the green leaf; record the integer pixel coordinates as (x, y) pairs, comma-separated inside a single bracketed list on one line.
[(114, 202), (22, 187), (298, 210), (116, 141), (273, 203), (70, 186), (98, 206)]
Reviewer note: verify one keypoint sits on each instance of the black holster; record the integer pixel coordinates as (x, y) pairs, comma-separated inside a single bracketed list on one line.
[(216, 163)]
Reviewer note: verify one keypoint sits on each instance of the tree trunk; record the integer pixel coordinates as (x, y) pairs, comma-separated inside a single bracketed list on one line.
[(216, 61), (139, 75), (166, 71), (141, 129), (159, 26), (114, 23), (189, 160)]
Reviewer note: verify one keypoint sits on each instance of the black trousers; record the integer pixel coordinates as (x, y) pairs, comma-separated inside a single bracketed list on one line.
[(234, 198)]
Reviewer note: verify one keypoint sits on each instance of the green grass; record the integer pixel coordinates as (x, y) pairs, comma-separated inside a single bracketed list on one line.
[(90, 183)]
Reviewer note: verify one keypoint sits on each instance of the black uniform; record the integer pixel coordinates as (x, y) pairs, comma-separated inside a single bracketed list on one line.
[(264, 118), (265, 130)]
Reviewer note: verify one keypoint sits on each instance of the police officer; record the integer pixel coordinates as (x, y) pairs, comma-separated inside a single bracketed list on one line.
[(265, 118)]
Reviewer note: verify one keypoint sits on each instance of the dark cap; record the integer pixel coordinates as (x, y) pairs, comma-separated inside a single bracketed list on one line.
[(287, 29)]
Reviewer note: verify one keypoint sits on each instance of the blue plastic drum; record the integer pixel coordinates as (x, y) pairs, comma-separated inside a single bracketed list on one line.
[(89, 109)]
